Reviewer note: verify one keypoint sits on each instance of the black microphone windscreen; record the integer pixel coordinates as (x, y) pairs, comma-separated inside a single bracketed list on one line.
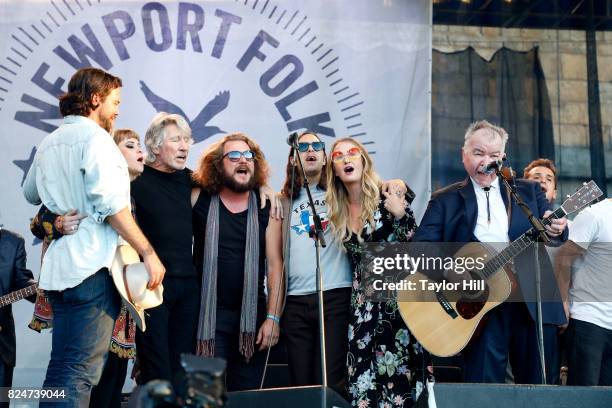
[(292, 139)]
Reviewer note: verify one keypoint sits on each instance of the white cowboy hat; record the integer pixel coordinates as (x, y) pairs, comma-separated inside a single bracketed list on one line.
[(131, 278)]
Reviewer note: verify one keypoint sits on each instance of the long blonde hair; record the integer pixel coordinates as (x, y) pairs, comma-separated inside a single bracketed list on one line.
[(337, 195)]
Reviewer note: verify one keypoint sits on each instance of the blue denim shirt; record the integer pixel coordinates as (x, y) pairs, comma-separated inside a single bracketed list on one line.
[(78, 166)]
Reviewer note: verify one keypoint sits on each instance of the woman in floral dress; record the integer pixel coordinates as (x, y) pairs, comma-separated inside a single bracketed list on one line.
[(386, 366)]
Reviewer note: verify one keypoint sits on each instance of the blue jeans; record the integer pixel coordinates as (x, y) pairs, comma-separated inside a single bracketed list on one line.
[(83, 320)]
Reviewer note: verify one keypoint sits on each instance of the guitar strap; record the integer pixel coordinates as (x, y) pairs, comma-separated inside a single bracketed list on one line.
[(509, 213), (509, 209)]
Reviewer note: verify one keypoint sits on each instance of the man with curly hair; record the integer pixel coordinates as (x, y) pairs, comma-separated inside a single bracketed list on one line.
[(236, 246)]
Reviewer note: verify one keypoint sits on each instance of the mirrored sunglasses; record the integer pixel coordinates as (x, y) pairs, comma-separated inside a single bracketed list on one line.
[(353, 152), (235, 155), (316, 146)]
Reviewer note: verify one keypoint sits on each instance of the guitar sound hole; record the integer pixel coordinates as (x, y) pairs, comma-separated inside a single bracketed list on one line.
[(469, 305), (468, 309)]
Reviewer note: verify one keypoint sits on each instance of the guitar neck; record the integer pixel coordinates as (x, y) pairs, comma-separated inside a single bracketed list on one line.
[(558, 213), (515, 248), (506, 255), (519, 245), (18, 295)]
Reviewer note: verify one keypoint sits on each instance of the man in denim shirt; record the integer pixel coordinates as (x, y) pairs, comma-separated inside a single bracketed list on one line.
[(78, 166)]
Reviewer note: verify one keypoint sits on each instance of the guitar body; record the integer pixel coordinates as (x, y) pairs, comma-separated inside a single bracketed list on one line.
[(442, 332)]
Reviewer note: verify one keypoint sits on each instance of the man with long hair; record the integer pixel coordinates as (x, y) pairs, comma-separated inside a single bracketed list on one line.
[(79, 167), (234, 242), (301, 315)]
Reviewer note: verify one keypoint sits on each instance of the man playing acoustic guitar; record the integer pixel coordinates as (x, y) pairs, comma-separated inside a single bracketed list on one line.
[(477, 209)]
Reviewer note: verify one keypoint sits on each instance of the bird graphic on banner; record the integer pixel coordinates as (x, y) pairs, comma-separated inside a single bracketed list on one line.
[(199, 126), (24, 165)]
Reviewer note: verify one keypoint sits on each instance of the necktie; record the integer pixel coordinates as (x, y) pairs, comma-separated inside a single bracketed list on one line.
[(486, 190)]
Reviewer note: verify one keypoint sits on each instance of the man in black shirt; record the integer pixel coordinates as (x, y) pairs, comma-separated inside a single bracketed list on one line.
[(163, 211), (234, 242)]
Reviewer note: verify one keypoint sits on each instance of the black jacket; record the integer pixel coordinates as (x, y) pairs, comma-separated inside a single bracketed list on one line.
[(13, 276)]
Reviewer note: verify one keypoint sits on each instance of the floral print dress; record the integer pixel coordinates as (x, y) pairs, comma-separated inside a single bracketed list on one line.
[(386, 365)]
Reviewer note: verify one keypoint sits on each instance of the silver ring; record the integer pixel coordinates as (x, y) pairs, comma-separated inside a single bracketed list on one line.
[(397, 193)]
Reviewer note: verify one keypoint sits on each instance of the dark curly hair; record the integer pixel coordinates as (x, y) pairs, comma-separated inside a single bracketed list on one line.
[(82, 86), (290, 169), (209, 174)]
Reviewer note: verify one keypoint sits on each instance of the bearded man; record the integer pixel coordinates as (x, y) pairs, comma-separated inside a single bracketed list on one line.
[(236, 246)]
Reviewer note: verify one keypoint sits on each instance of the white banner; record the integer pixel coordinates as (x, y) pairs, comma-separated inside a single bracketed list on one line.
[(357, 68)]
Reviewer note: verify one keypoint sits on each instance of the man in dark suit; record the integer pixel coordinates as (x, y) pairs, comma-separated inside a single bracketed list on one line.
[(13, 276), (477, 209)]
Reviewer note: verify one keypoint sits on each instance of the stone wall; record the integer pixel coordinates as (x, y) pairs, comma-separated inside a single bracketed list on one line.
[(563, 57)]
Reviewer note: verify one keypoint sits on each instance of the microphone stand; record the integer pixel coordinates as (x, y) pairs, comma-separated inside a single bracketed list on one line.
[(538, 233), (319, 239)]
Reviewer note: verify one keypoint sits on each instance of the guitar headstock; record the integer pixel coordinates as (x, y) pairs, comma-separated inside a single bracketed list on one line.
[(582, 198)]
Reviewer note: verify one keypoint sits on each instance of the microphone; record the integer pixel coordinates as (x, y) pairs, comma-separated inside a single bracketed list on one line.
[(493, 166), (292, 139)]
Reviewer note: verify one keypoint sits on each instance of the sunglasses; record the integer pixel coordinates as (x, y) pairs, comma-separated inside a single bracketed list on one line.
[(235, 155), (353, 152), (316, 146)]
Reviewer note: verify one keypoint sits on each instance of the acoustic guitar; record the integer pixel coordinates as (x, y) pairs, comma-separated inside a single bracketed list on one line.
[(444, 321)]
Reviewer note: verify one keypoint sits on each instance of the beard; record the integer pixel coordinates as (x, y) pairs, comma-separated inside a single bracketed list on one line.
[(107, 124), (230, 182)]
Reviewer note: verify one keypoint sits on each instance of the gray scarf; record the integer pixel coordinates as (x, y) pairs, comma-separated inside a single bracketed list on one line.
[(208, 302)]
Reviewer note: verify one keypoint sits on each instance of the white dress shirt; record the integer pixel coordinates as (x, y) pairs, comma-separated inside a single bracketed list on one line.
[(78, 166), (495, 231)]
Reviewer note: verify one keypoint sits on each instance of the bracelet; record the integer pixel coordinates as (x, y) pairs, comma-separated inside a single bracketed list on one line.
[(274, 318)]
